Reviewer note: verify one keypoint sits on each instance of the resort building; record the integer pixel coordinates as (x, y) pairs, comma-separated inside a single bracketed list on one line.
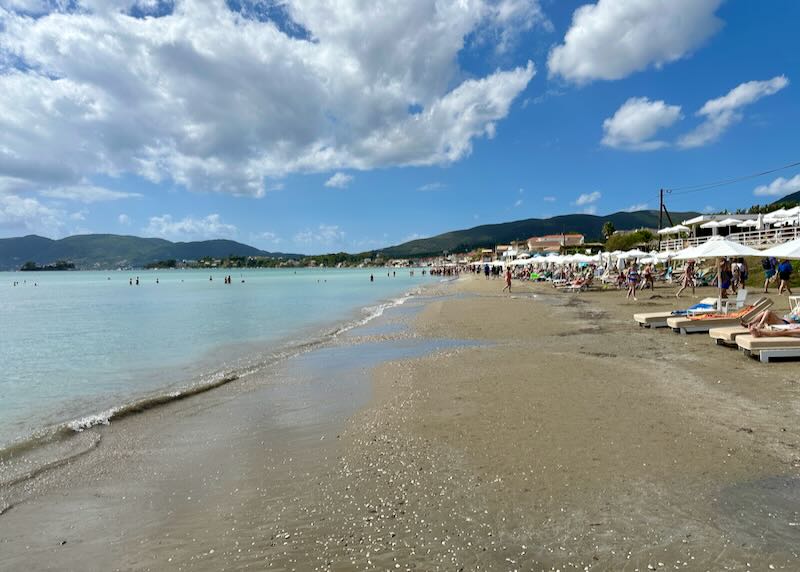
[(554, 242)]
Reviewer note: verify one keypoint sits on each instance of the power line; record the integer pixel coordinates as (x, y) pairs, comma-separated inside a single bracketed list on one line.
[(706, 186)]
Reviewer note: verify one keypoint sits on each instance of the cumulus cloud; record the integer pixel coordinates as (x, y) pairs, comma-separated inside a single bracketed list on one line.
[(339, 181), (324, 236), (216, 99), (636, 207), (721, 113), (87, 194), (636, 122), (779, 187), (588, 198), (189, 228), (124, 219), (614, 38), (26, 214)]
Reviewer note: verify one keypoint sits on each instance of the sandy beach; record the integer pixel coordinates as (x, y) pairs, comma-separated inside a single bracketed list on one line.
[(472, 431)]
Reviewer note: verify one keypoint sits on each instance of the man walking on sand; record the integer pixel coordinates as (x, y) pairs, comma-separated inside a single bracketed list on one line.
[(508, 281)]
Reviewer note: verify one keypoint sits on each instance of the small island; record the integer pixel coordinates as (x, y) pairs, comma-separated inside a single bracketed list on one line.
[(58, 265)]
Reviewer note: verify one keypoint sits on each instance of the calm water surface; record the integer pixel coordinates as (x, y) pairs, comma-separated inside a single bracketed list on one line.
[(80, 342)]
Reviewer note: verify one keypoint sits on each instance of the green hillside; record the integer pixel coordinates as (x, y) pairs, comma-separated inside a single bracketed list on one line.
[(492, 234), (112, 251), (793, 198)]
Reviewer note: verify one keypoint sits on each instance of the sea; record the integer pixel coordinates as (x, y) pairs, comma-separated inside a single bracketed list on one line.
[(78, 348)]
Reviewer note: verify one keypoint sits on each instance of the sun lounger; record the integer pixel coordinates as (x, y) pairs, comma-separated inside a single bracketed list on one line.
[(704, 322), (766, 349), (659, 319), (726, 336)]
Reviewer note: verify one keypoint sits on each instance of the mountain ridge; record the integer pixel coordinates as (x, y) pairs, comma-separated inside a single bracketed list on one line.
[(104, 251), (500, 233)]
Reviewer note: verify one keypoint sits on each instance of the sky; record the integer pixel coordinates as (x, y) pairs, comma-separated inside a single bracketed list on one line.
[(315, 126)]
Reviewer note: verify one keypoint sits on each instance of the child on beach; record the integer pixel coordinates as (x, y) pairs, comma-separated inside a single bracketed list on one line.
[(633, 280)]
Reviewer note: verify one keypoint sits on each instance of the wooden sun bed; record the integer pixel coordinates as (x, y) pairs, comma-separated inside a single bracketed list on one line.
[(659, 319), (766, 349), (703, 323), (726, 336)]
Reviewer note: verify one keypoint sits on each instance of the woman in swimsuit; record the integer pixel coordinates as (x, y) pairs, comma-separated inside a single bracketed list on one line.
[(760, 324)]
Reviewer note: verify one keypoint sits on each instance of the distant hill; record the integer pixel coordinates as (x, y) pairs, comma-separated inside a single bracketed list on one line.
[(793, 198), (113, 251), (492, 234)]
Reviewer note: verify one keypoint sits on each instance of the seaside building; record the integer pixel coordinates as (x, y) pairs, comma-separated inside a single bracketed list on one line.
[(554, 242)]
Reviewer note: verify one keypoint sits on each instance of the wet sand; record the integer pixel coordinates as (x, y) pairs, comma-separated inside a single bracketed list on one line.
[(535, 431)]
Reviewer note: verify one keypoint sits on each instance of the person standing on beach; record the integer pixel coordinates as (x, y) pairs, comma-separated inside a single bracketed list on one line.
[(785, 274), (371, 278), (688, 279), (508, 280), (768, 264), (486, 270), (633, 280)]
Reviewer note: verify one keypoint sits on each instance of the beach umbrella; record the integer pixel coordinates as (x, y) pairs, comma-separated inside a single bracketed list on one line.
[(681, 228), (729, 222), (686, 253), (752, 223), (775, 216), (635, 253), (667, 230), (720, 247), (789, 249)]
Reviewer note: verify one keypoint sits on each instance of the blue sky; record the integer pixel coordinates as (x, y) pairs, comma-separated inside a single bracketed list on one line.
[(313, 126)]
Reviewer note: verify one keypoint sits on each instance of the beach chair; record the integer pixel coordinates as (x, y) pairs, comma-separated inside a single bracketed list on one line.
[(766, 349), (659, 319), (736, 303), (704, 322), (726, 336)]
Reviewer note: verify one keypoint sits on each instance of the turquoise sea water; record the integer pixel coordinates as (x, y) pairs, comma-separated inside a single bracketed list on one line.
[(78, 343)]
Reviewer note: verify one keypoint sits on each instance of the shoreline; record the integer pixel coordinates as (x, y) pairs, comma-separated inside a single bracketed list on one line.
[(15, 467), (562, 437)]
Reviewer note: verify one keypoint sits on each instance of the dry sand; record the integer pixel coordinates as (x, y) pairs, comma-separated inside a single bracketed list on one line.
[(564, 437)]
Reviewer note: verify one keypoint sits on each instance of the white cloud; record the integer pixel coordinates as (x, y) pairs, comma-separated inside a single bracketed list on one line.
[(590, 210), (189, 228), (87, 194), (518, 203), (339, 181), (614, 38), (723, 112), (324, 236), (431, 187), (636, 122), (508, 19), (636, 207), (213, 99), (268, 237), (27, 215), (588, 198), (124, 219), (779, 187), (549, 199)]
